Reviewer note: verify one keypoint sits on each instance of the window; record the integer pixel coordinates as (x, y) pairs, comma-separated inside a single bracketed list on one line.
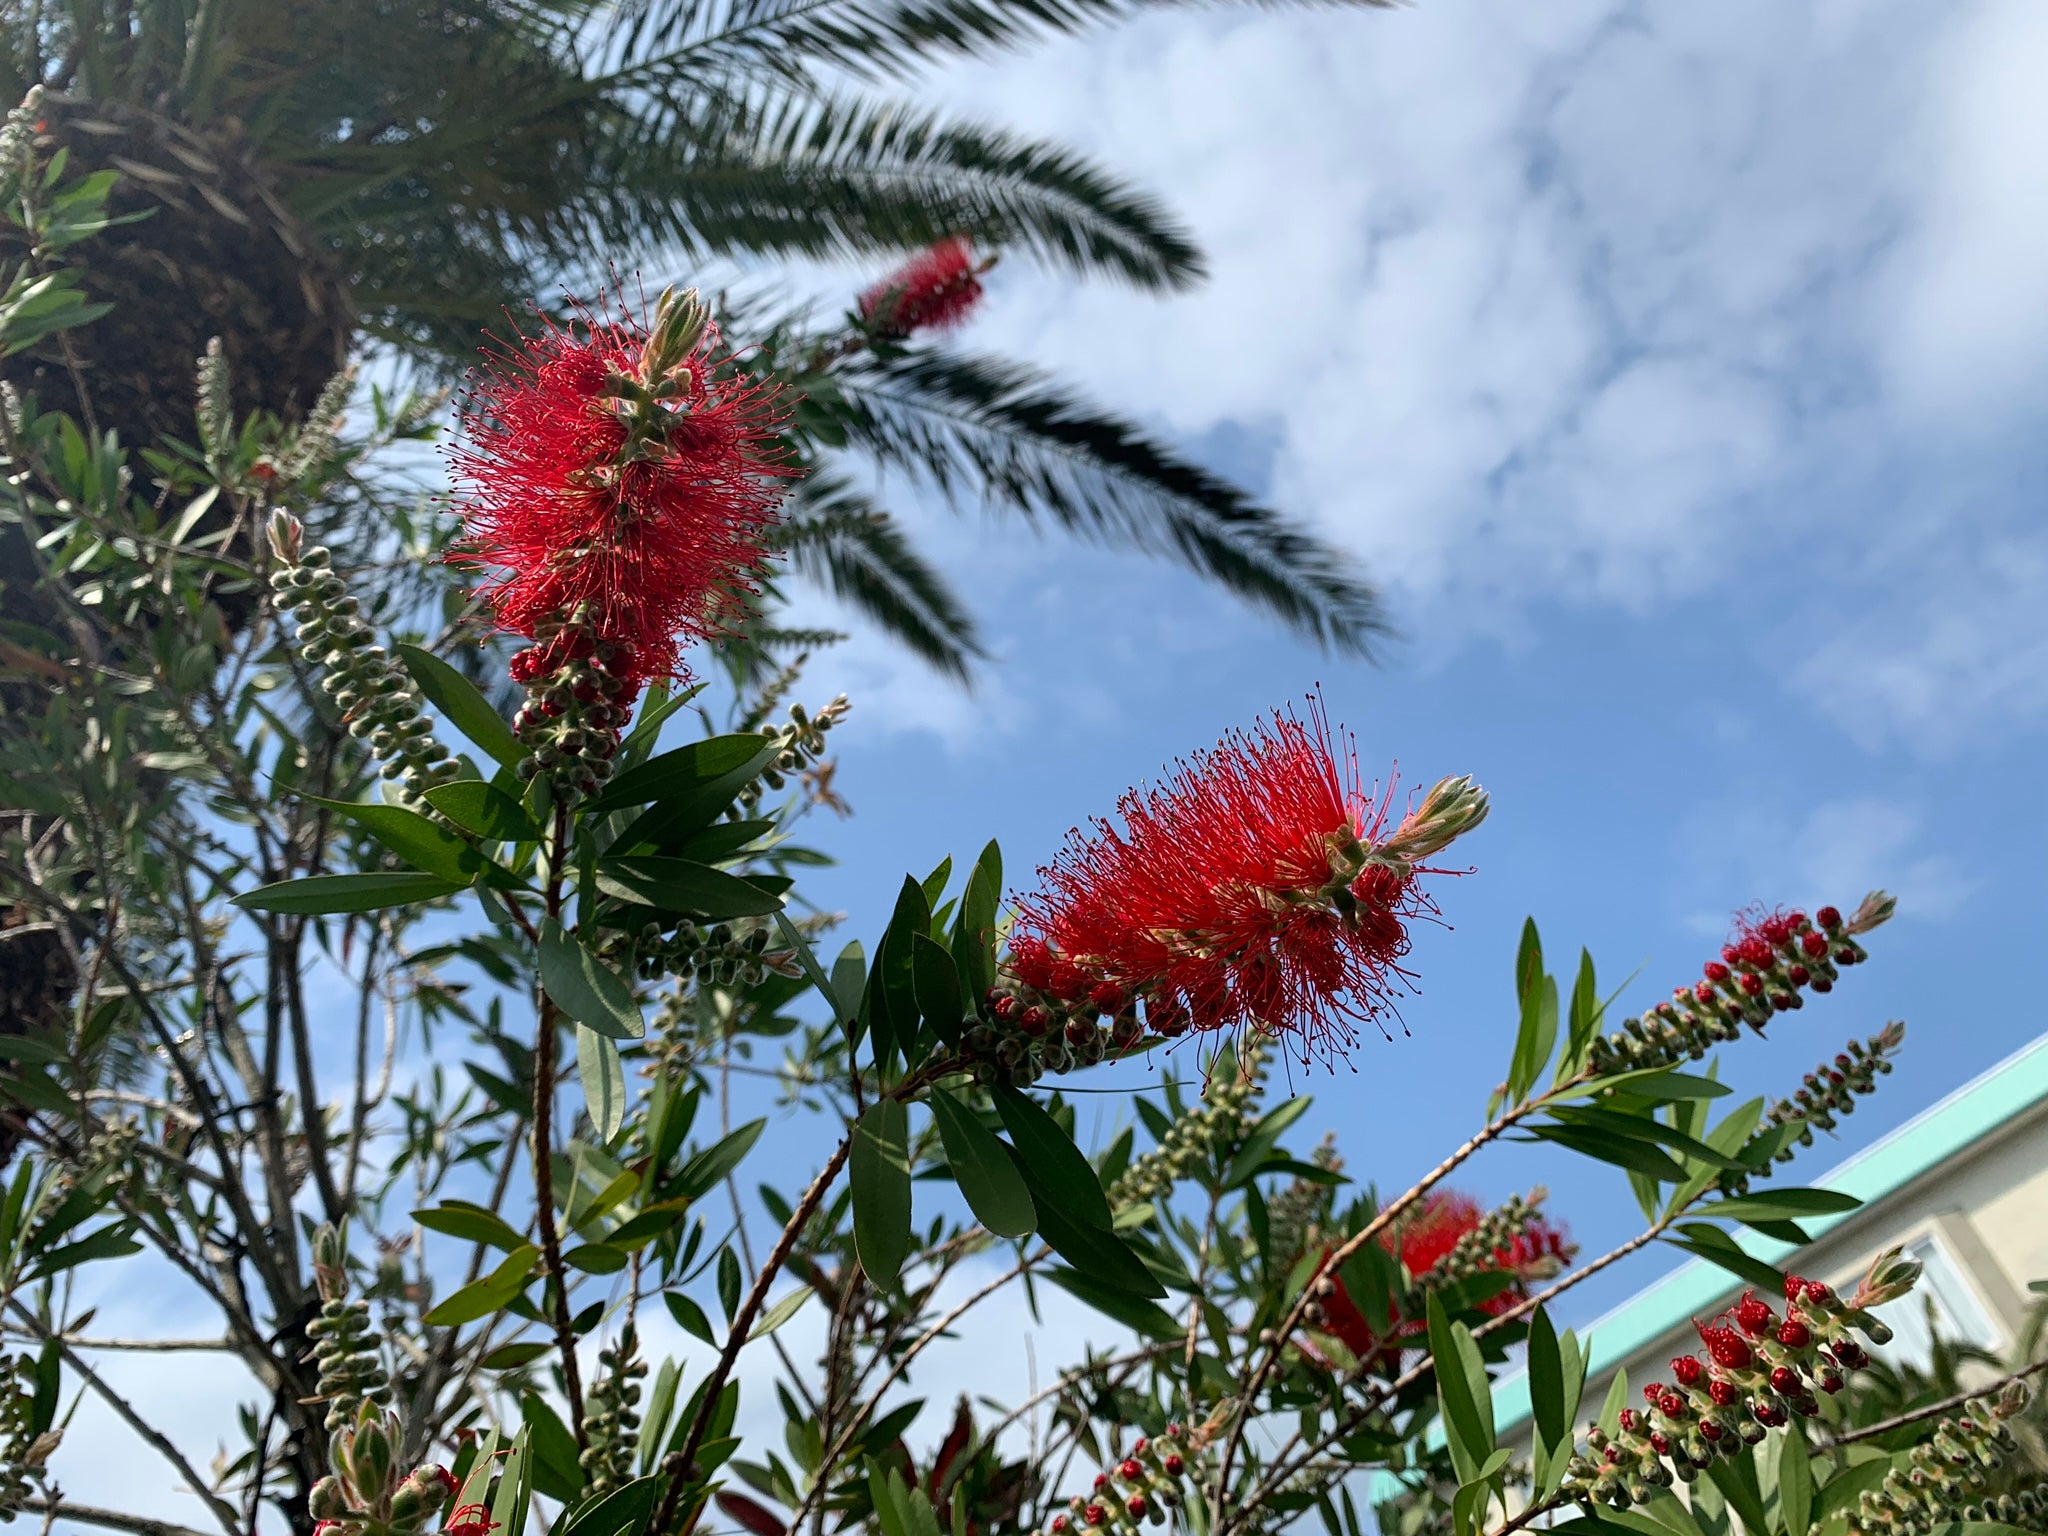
[(1958, 1315)]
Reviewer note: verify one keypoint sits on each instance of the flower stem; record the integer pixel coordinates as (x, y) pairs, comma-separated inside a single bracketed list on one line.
[(544, 1047)]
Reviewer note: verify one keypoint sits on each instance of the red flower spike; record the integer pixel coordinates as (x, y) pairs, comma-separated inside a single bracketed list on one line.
[(936, 290), (1260, 887), (641, 520), (1688, 1370), (1031, 962)]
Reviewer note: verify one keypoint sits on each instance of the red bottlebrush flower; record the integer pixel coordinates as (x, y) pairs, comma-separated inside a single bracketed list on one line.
[(1423, 1241), (469, 1520), (1261, 887), (618, 479), (1725, 1347), (935, 290)]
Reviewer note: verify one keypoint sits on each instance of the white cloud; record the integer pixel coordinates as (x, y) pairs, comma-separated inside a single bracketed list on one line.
[(1576, 303)]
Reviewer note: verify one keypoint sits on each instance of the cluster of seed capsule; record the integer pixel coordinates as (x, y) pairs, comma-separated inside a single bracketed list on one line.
[(803, 746), (719, 955), (611, 1416), (1144, 1488), (376, 698), (1762, 972), (579, 696), (1510, 1236), (1947, 1478), (1296, 1213), (1831, 1089), (1760, 1370), (1217, 1123)]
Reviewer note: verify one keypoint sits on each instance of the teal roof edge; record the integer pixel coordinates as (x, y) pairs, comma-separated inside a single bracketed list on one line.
[(1894, 1160)]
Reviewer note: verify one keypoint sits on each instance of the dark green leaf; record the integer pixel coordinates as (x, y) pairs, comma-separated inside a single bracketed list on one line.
[(604, 1081), (315, 895), (1145, 1318), (780, 1313), (484, 809), (471, 1223), (1737, 1482), (1717, 1247), (421, 842), (1464, 1429), (1262, 1138), (1645, 1127), (880, 1181), (595, 1258), (677, 885), (508, 1357), (702, 1172), (690, 1317), (974, 929), (110, 1242), (1795, 1485), (982, 1167), (480, 1298), (1546, 1380), (1536, 1037), (467, 710), (1622, 1151), (685, 772), (937, 987), (1783, 1205), (586, 989), (1100, 1255), (1052, 1163)]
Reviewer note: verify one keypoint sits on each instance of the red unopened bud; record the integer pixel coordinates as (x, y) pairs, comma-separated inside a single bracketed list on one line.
[(1799, 975), (1716, 971), (1002, 1005), (1770, 1415), (1688, 1370), (1095, 1514), (1033, 1020), (1671, 1405), (1107, 996), (1830, 1382), (1794, 1334), (1629, 1421), (1141, 1447), (1703, 992), (1731, 954), (1793, 1287), (1724, 1393), (1660, 1445), (1814, 945), (1061, 1525), (1819, 1293), (1753, 1315), (1136, 1505), (1079, 1032), (1755, 952), (1130, 1470), (1101, 1481), (1785, 1381), (1751, 983), (1822, 985), (1845, 956), (1828, 918), (1174, 1466)]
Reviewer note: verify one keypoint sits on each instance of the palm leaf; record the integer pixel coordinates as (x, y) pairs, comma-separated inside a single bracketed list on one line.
[(978, 426), (837, 537)]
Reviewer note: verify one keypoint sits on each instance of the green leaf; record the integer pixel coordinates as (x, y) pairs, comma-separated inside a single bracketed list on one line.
[(554, 1461), (1795, 1485), (1546, 1380), (1624, 1152), (1584, 1020), (1737, 1482), (974, 930), (651, 1222), (471, 1223), (1465, 1431), (1717, 1247), (604, 1081), (677, 885), (936, 985), (318, 895), (484, 809), (1647, 1127), (690, 1317), (686, 772), (586, 989), (509, 1357), (1663, 1087), (1262, 1138), (1783, 1205), (780, 1313), (880, 1180), (467, 710), (1051, 1161), (1102, 1256), (1535, 1038), (480, 1298), (983, 1169), (109, 1242), (1145, 1318), (703, 1172), (849, 980), (621, 1512), (889, 1005), (1615, 1401), (421, 842)]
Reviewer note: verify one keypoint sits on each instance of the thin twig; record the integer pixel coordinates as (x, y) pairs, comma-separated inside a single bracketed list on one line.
[(1914, 1416)]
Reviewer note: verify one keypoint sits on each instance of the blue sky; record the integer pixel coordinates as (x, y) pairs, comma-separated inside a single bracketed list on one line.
[(1679, 370)]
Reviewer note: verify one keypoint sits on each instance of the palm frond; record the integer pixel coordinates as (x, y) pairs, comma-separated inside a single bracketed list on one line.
[(870, 39), (837, 537), (1012, 436)]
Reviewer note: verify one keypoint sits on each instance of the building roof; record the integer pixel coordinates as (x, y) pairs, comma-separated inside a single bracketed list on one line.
[(1968, 1115)]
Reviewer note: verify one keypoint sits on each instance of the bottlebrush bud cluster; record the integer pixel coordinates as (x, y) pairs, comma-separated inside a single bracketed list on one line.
[(1947, 1479), (1024, 1032), (611, 1416), (376, 697), (1514, 1237), (1765, 968), (1216, 1124), (1831, 1089), (803, 746), (1143, 1488), (1758, 1370)]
